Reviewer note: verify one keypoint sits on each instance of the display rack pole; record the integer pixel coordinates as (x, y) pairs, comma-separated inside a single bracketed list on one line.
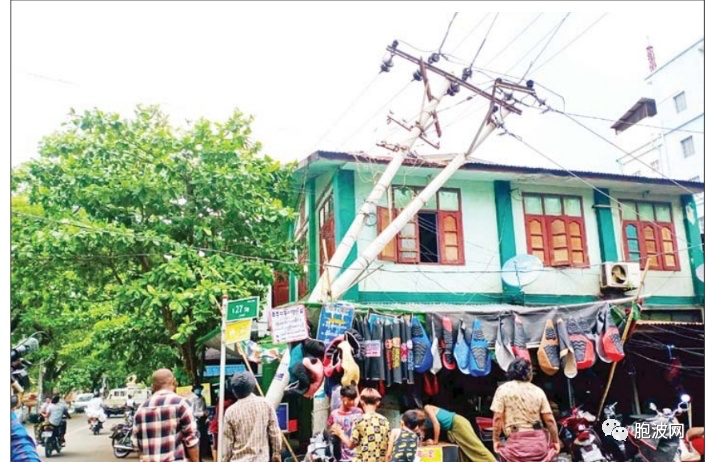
[(627, 325)]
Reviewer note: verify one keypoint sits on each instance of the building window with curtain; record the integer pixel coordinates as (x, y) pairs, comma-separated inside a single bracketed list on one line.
[(649, 235), (555, 229), (433, 236)]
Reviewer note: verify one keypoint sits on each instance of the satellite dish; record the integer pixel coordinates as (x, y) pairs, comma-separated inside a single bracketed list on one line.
[(701, 272), (521, 270)]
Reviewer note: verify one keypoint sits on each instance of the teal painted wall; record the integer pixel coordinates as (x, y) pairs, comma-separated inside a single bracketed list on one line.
[(505, 232), (693, 239), (605, 226), (312, 245), (344, 194)]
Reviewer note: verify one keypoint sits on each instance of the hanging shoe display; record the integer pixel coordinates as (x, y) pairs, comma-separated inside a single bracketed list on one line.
[(548, 350), (567, 355), (448, 357), (422, 354), (480, 361), (502, 347), (462, 350), (582, 346)]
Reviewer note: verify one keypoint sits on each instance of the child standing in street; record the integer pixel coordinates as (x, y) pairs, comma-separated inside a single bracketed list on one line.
[(403, 442), (345, 417), (370, 434)]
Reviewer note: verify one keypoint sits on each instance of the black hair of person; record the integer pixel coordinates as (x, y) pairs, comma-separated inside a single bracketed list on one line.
[(519, 369), (412, 419), (348, 391)]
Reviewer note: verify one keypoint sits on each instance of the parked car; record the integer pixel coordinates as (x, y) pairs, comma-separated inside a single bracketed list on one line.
[(115, 403), (82, 401)]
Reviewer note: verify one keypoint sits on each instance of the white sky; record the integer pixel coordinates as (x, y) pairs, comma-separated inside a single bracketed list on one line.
[(297, 66)]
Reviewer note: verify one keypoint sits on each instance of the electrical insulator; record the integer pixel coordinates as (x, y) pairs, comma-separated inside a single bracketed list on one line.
[(417, 76), (453, 89), (434, 58), (508, 96), (386, 65), (495, 109), (529, 84), (466, 73)]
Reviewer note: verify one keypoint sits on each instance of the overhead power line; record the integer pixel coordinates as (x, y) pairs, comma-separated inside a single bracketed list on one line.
[(545, 46), (514, 39), (572, 41)]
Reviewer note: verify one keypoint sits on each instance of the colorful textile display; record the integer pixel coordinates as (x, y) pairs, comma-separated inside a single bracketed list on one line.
[(549, 351)]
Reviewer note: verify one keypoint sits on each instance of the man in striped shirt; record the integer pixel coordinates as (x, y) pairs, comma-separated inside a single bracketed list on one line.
[(250, 424), (164, 429)]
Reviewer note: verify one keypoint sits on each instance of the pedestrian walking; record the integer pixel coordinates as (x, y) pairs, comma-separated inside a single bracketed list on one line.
[(214, 424), (251, 431), (164, 428), (199, 409), (346, 416), (459, 431), (522, 409), (370, 434), (403, 442)]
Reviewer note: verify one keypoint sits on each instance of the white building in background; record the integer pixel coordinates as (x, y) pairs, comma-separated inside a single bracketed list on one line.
[(674, 103)]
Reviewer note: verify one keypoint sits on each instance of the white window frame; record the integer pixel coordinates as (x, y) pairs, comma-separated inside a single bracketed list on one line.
[(686, 142)]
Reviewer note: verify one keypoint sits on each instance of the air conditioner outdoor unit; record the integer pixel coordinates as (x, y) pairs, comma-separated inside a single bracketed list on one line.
[(621, 275)]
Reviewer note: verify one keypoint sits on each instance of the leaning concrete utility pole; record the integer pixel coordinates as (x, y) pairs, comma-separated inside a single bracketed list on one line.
[(344, 281), (369, 205)]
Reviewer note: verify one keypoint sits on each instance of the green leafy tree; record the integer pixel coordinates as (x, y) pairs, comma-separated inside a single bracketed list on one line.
[(131, 231)]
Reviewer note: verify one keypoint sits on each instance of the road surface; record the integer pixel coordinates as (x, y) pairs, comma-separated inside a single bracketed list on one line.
[(84, 446)]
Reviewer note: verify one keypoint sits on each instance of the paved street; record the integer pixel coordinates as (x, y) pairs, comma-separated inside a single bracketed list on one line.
[(83, 446)]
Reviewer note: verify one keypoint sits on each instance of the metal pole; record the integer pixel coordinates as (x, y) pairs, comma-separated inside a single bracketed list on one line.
[(40, 385), (222, 370)]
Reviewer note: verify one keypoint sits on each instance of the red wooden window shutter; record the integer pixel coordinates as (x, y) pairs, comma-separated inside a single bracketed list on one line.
[(383, 219), (668, 246), (576, 238), (407, 242), (534, 238), (558, 237), (281, 289), (327, 234), (451, 246)]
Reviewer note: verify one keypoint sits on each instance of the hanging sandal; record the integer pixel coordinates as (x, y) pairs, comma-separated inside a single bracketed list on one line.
[(448, 357)]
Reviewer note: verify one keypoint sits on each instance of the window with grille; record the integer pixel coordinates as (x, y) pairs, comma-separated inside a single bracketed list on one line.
[(680, 102), (687, 147), (434, 235), (649, 235), (555, 229)]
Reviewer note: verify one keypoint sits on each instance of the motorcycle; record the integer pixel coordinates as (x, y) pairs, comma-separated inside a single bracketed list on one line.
[(50, 439), (321, 448), (96, 426), (121, 438), (651, 441), (580, 439)]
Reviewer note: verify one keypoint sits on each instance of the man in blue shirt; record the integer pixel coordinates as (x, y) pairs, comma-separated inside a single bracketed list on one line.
[(22, 447)]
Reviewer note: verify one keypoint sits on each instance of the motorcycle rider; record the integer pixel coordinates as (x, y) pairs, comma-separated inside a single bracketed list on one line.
[(94, 409), (57, 412)]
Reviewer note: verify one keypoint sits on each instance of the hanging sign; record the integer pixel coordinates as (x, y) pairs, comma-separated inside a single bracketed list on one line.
[(289, 324), (244, 308), (238, 331), (335, 319)]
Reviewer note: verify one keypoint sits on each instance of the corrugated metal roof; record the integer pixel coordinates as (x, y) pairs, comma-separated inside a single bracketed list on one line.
[(345, 157)]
